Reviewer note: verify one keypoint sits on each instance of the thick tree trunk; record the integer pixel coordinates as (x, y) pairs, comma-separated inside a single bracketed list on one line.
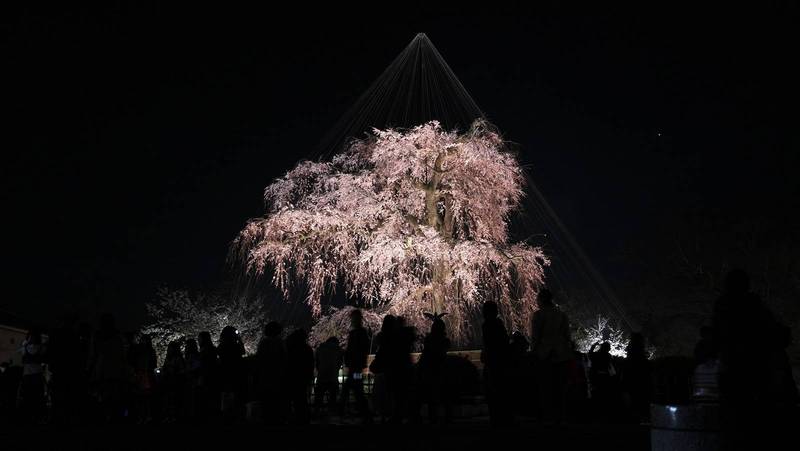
[(432, 196), (439, 283), (442, 223)]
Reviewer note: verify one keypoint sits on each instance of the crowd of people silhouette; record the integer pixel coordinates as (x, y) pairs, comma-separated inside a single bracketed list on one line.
[(104, 376)]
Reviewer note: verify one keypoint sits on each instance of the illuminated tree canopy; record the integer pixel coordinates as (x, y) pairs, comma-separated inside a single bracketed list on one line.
[(407, 221), (175, 315), (337, 324)]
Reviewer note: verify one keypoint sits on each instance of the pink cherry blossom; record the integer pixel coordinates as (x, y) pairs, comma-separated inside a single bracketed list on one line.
[(409, 221)]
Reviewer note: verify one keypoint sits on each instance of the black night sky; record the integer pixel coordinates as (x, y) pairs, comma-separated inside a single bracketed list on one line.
[(139, 139)]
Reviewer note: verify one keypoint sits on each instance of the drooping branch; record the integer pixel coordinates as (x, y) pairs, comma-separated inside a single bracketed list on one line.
[(411, 220)]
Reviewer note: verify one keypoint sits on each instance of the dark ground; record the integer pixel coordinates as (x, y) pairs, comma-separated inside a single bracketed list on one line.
[(467, 435)]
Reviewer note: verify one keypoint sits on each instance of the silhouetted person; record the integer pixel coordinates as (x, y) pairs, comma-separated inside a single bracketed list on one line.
[(783, 390), (231, 370), (67, 374), (355, 360), (636, 377), (740, 332), (400, 370), (143, 361), (521, 373), (32, 389), (431, 369), (173, 379), (706, 349), (577, 384), (551, 348), (299, 374), (328, 360), (83, 354), (191, 357), (109, 369), (209, 376), (271, 357), (10, 379), (519, 345), (705, 378), (495, 358), (753, 379), (378, 368), (602, 376)]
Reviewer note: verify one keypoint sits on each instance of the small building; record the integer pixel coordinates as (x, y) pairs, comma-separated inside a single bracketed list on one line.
[(13, 331)]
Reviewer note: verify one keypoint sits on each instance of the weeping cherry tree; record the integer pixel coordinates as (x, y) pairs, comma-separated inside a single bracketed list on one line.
[(408, 222)]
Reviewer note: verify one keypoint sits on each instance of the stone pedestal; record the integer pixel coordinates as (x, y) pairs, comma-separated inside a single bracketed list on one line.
[(686, 427)]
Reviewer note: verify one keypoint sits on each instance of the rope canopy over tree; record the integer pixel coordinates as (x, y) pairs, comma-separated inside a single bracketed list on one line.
[(408, 221)]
